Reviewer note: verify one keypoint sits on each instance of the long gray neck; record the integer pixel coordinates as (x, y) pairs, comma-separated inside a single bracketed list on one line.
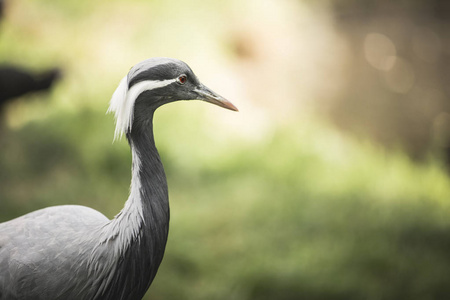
[(138, 234), (149, 187)]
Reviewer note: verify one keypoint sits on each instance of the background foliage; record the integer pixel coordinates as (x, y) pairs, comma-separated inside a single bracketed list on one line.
[(273, 202)]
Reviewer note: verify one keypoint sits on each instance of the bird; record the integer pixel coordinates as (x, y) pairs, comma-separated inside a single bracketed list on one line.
[(16, 81), (75, 252)]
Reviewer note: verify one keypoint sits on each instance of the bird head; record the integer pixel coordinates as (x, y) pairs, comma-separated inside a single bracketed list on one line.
[(154, 82)]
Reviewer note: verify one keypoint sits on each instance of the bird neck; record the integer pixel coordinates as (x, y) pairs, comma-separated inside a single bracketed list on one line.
[(147, 207), (149, 191), (148, 201), (138, 234)]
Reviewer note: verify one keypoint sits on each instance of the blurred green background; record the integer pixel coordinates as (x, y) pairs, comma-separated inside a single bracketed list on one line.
[(330, 183)]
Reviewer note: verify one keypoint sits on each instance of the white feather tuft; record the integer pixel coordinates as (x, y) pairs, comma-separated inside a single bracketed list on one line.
[(118, 106), (123, 99)]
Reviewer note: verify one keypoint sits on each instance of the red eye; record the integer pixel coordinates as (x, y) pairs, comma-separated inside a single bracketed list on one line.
[(182, 79)]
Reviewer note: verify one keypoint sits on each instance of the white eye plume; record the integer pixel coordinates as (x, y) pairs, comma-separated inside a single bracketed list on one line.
[(123, 99), (118, 106)]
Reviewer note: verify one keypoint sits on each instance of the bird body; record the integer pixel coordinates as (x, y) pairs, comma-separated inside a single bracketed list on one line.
[(75, 252)]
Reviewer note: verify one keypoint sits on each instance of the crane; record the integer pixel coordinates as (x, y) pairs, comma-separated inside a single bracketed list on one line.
[(75, 252)]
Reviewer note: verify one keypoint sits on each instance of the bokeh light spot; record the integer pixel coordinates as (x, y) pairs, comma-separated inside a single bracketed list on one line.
[(379, 51)]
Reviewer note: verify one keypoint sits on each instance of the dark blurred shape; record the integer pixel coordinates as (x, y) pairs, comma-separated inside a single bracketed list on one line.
[(398, 74), (16, 81), (2, 7)]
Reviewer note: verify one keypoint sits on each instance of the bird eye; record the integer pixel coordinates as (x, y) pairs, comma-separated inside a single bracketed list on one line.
[(182, 79)]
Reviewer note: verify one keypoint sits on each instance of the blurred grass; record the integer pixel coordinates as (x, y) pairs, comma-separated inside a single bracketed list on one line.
[(307, 212), (303, 213)]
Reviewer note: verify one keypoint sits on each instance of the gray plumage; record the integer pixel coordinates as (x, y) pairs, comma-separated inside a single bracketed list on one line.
[(75, 252)]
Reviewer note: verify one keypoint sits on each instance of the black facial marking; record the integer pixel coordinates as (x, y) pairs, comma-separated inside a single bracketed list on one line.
[(159, 70)]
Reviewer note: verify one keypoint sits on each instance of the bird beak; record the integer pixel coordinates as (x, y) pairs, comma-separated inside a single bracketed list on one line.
[(205, 94)]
